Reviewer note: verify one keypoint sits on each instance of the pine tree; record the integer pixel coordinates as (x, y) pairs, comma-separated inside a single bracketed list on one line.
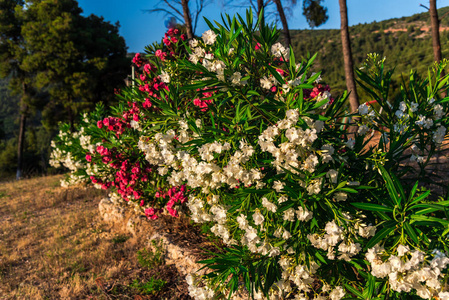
[(76, 59), (12, 52), (58, 61)]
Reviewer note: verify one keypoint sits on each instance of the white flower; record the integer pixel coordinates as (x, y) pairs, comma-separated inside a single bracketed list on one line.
[(332, 175), (286, 235), (402, 250), (337, 293), (243, 223), (424, 122), (282, 199), (367, 231), (266, 83), (399, 114), (350, 143), (278, 50), (165, 77), (363, 109), (274, 252), (438, 109), (193, 43), (304, 214), (327, 152), (289, 215), (209, 37), (362, 130), (439, 134), (258, 218), (314, 188), (236, 79), (292, 115), (278, 186), (268, 205)]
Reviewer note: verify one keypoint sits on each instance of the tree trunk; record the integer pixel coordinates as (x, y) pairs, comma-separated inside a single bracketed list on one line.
[(71, 118), (347, 56), (187, 18), (21, 141), (435, 25), (259, 9), (284, 22)]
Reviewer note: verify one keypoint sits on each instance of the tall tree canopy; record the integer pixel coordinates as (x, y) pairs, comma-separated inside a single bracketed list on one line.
[(57, 60), (314, 12), (77, 59)]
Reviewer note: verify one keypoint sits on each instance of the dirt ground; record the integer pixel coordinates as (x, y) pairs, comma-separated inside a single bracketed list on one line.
[(53, 245)]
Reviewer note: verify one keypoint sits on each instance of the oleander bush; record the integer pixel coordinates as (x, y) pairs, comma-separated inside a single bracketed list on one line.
[(231, 130)]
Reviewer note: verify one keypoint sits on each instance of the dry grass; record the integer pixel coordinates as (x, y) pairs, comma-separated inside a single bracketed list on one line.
[(53, 245)]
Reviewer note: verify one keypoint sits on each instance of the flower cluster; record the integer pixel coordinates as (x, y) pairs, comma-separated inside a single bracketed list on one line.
[(229, 130), (410, 269)]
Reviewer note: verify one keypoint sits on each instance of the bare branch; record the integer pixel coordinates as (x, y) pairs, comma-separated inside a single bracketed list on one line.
[(165, 11), (444, 16), (200, 6), (165, 2), (424, 6)]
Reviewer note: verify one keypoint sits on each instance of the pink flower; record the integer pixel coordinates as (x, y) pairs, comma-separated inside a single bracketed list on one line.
[(173, 212), (149, 68), (151, 213), (160, 54), (88, 158), (147, 103), (137, 60), (100, 124), (280, 71)]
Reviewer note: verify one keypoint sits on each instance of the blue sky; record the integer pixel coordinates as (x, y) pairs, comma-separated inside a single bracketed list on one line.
[(140, 29)]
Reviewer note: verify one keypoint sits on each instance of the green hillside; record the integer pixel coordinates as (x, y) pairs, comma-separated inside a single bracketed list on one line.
[(405, 42)]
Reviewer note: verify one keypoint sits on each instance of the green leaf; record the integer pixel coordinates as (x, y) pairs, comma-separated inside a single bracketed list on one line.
[(254, 93), (353, 290), (421, 197), (372, 207), (320, 257), (411, 232), (430, 219), (413, 191), (380, 236), (394, 195), (275, 74)]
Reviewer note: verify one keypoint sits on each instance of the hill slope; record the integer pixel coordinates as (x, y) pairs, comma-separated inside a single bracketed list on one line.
[(405, 42)]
